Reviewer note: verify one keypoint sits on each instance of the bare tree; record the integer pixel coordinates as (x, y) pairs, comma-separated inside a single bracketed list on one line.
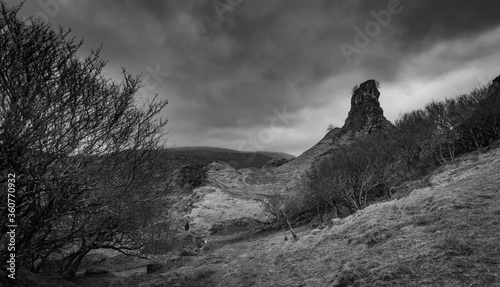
[(414, 132), (283, 207), (352, 174), (83, 153)]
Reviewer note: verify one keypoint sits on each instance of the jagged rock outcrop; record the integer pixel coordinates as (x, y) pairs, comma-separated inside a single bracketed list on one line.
[(232, 195), (495, 86), (496, 80), (366, 115), (212, 207)]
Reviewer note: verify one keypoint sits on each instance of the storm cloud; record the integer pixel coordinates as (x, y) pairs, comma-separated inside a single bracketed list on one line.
[(229, 67)]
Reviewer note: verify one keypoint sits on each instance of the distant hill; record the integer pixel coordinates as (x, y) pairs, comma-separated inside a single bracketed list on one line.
[(237, 159), (278, 155)]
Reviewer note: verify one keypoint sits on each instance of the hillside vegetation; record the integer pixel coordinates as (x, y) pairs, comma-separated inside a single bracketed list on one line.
[(99, 201), (371, 167), (441, 235), (422, 212), (444, 234)]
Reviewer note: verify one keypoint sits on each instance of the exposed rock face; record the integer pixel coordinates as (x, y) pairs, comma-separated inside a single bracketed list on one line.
[(232, 197), (497, 80), (212, 207), (366, 115), (495, 86)]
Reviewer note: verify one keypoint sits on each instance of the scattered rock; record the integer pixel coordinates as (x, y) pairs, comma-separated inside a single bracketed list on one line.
[(96, 271), (188, 252), (216, 228), (336, 221), (315, 231), (175, 258), (245, 256), (218, 165), (153, 267)]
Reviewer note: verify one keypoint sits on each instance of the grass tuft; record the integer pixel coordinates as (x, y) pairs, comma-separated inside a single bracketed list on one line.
[(452, 246)]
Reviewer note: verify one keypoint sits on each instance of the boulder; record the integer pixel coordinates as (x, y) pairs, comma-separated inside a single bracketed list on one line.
[(153, 267), (188, 252), (96, 271)]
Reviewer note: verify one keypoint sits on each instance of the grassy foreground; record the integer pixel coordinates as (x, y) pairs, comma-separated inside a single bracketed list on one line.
[(445, 234)]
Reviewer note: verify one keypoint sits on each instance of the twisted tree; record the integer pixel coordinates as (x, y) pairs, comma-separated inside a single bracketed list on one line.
[(82, 152)]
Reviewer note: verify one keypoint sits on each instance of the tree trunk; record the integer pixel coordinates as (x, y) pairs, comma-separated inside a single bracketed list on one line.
[(335, 208), (284, 233), (289, 225), (291, 229), (320, 217)]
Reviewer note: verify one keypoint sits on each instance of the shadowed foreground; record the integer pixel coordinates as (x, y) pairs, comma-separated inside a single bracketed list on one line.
[(445, 234)]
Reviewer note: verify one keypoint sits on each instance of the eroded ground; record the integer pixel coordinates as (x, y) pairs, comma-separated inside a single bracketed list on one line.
[(445, 234)]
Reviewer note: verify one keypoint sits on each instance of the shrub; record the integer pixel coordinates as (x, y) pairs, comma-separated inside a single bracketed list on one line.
[(482, 125), (354, 88), (448, 128), (192, 176), (82, 151), (330, 127), (351, 175)]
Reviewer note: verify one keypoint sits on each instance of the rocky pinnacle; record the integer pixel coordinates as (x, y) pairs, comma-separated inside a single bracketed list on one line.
[(366, 115)]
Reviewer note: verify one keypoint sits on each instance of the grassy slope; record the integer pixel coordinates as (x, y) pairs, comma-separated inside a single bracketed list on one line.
[(442, 235)]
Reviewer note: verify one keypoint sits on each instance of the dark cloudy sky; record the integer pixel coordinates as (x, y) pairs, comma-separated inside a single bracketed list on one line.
[(272, 74)]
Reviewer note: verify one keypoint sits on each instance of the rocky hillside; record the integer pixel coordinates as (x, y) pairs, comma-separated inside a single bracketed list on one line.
[(442, 230), (444, 233), (232, 196), (365, 116)]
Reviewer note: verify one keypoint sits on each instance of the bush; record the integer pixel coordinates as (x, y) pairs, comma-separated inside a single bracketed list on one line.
[(330, 127), (354, 88), (192, 176), (352, 175), (82, 152), (482, 125), (448, 128)]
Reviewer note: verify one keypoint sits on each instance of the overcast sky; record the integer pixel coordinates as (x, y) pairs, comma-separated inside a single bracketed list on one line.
[(273, 74)]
